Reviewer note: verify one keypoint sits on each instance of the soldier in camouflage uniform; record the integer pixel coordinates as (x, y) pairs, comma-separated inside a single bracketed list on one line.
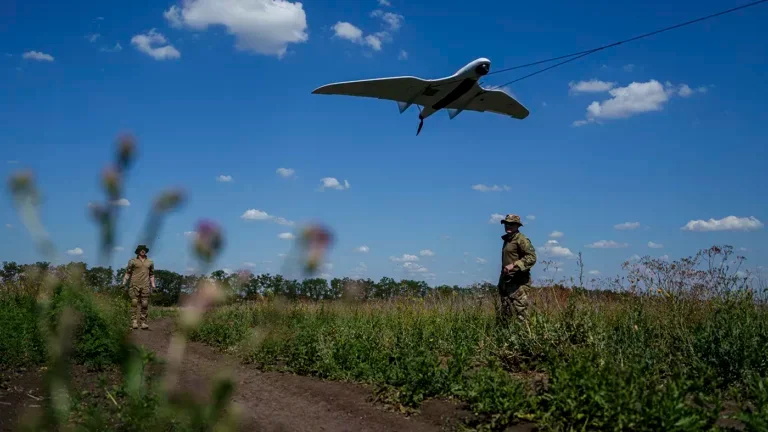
[(141, 273), (517, 258)]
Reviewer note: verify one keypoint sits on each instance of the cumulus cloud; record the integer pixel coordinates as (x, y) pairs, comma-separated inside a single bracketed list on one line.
[(37, 56), (531, 217), (75, 252), (496, 218), (627, 226), (155, 45), (480, 260), (93, 37), (118, 248), (286, 236), (729, 223), (224, 179), (404, 258), (363, 249), (259, 26), (352, 33), (653, 245), (635, 98), (412, 267), (116, 48), (385, 3), (285, 172), (122, 202), (556, 234), (260, 215), (426, 252), (332, 183), (393, 21), (403, 55), (494, 188), (554, 249), (606, 244), (591, 86), (594, 272)]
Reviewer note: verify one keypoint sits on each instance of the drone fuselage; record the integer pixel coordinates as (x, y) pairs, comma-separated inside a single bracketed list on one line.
[(456, 88)]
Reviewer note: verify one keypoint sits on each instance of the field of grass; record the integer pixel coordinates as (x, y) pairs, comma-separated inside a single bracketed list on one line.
[(584, 362)]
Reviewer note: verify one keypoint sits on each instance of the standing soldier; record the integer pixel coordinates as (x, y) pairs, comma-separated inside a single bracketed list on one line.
[(517, 258), (141, 272)]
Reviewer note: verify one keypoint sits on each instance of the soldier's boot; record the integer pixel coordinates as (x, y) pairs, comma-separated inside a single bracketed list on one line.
[(134, 325), (144, 326)]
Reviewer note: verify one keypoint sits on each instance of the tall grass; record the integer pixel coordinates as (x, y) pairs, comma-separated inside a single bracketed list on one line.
[(673, 360)]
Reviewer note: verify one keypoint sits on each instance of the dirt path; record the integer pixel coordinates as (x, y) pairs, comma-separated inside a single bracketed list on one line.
[(283, 402)]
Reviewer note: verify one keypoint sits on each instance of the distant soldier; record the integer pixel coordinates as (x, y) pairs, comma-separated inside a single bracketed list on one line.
[(517, 258), (141, 272)]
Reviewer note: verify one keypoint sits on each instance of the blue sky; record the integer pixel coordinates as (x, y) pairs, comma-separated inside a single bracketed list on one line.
[(653, 134)]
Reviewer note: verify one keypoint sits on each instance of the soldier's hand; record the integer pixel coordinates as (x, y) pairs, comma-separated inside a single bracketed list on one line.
[(509, 268)]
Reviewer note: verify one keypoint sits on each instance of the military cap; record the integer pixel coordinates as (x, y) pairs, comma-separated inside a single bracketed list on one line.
[(140, 247), (512, 218)]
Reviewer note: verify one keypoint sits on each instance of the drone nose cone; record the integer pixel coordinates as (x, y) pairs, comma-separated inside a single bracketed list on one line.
[(483, 69)]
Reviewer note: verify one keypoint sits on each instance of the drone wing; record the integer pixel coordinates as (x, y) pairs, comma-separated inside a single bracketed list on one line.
[(498, 102), (405, 89)]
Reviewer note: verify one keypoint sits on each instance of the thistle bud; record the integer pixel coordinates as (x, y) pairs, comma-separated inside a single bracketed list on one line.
[(110, 179), (209, 240), (126, 149), (169, 200), (22, 185)]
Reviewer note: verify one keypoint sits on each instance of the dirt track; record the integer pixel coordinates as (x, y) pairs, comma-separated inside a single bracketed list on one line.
[(280, 402), (269, 401)]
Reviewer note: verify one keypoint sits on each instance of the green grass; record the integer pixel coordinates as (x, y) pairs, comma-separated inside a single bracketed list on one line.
[(638, 363)]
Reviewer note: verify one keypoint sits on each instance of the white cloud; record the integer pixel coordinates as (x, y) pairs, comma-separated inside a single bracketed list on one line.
[(332, 183), (634, 257), (591, 86), (286, 236), (481, 260), (249, 264), (122, 202), (285, 172), (254, 214), (594, 272), (93, 37), (412, 267), (352, 33), (155, 45), (531, 217), (37, 55), (385, 3), (392, 20), (282, 255), (75, 252), (260, 215), (426, 252), (496, 218), (259, 26), (403, 55), (664, 257), (363, 249), (729, 223), (556, 234), (118, 248), (606, 244), (116, 48), (635, 98), (404, 258), (653, 245), (627, 226), (190, 234), (348, 31), (224, 178), (494, 188), (552, 248)]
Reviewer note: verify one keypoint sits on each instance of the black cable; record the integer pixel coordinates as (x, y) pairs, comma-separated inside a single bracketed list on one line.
[(585, 53)]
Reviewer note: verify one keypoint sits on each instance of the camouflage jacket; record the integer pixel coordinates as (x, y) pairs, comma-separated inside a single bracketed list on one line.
[(139, 272), (518, 250)]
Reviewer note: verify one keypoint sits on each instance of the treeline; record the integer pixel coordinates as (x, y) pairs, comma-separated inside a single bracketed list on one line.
[(172, 286)]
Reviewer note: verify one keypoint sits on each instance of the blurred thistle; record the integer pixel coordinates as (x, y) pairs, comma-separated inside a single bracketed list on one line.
[(169, 200), (126, 149), (315, 240), (26, 197), (166, 202), (208, 241), (112, 182)]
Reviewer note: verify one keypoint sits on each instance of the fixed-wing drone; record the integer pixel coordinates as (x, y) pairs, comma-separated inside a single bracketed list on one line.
[(455, 93)]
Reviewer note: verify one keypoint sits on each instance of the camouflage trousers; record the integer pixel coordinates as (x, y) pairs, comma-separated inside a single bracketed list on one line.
[(139, 303), (513, 293)]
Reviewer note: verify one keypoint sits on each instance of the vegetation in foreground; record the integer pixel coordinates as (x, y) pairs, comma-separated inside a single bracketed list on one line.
[(683, 349)]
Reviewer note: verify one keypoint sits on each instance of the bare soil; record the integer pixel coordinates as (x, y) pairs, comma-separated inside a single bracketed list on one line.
[(269, 401)]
